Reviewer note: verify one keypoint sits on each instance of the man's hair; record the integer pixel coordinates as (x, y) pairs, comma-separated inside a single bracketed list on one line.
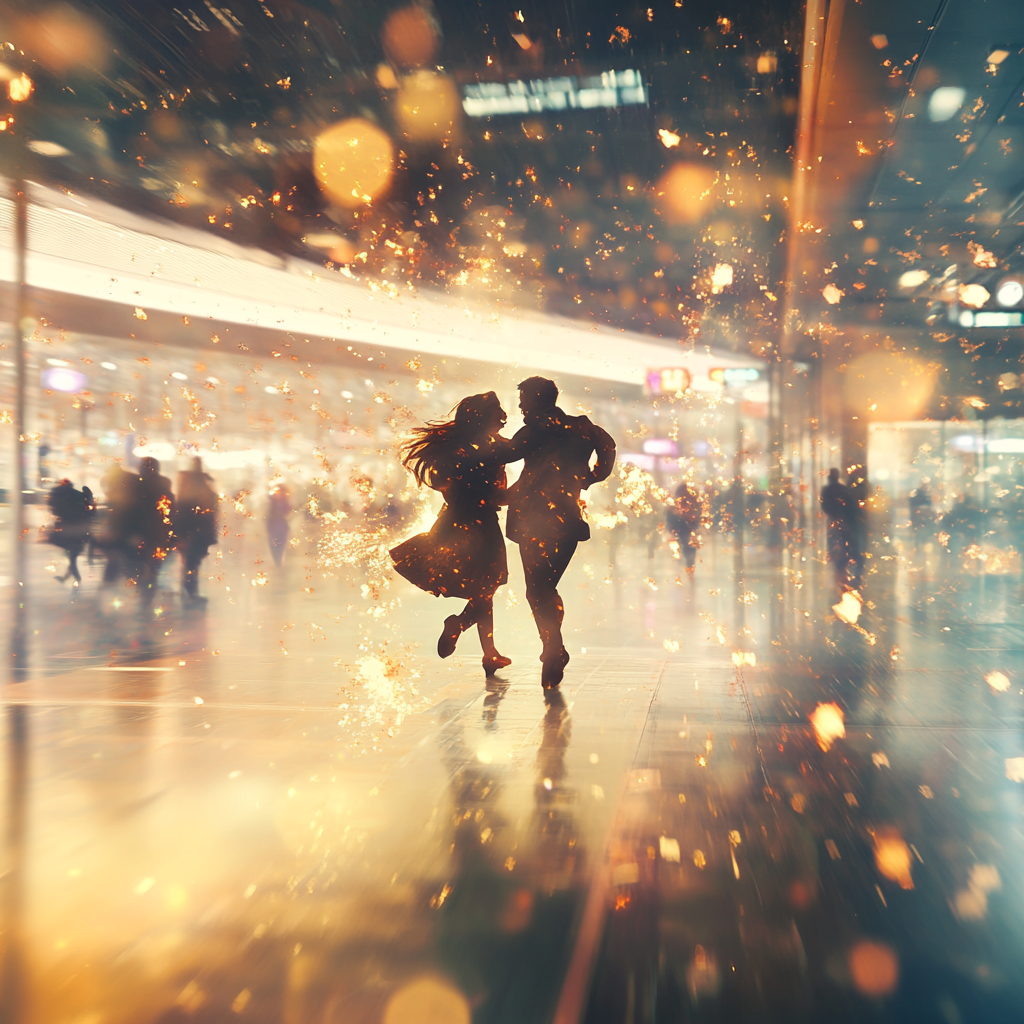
[(833, 474), (544, 390)]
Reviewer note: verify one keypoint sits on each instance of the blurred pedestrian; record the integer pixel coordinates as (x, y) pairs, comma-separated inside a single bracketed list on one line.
[(195, 524), (71, 510), (682, 517), (963, 525), (111, 532), (842, 512), (150, 533), (922, 514), (463, 554), (544, 514), (279, 508)]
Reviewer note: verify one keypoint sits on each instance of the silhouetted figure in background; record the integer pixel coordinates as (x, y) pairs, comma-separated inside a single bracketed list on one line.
[(842, 511), (963, 524), (544, 515), (195, 524), (150, 535), (112, 534), (682, 517), (922, 515), (279, 508), (72, 513), (463, 554)]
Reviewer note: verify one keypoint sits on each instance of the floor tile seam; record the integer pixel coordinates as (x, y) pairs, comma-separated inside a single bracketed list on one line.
[(70, 702), (578, 977), (574, 695), (891, 726)]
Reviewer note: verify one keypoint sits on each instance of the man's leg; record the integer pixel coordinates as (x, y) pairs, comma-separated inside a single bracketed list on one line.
[(544, 564)]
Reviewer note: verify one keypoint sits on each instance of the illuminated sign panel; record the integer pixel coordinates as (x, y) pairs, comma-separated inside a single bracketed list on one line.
[(661, 446), (611, 89), (60, 378), (668, 381), (735, 374)]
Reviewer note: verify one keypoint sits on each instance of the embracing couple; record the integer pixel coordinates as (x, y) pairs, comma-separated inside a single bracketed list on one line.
[(463, 555)]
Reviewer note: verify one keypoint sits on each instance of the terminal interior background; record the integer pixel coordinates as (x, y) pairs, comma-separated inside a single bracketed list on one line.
[(754, 242)]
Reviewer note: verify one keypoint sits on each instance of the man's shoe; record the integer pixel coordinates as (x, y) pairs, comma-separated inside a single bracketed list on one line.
[(554, 669), (492, 662), (449, 637)]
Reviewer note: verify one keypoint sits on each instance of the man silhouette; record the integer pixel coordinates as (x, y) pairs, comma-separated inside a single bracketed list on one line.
[(544, 515), (843, 513)]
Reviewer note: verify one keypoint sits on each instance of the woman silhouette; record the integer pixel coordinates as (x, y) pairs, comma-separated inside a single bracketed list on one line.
[(463, 555)]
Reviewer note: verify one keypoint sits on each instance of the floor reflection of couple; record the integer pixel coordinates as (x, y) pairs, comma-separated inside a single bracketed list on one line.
[(463, 555)]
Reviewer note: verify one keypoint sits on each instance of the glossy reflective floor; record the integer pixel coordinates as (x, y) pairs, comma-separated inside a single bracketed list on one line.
[(281, 806)]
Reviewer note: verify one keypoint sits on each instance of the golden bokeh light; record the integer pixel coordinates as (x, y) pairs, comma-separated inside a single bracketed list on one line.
[(353, 161), (427, 1000), (20, 88), (889, 386), (892, 857), (427, 107), (684, 192), (829, 724), (410, 36), (874, 969), (64, 39)]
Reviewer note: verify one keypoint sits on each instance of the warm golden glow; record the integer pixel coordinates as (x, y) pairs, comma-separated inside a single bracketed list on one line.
[(973, 295), (849, 608), (893, 857), (410, 36), (353, 161), (684, 192), (427, 1000), (427, 107), (874, 969), (889, 385), (828, 723), (19, 89), (998, 681)]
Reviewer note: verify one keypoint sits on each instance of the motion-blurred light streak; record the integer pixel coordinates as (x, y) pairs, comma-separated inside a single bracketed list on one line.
[(609, 89)]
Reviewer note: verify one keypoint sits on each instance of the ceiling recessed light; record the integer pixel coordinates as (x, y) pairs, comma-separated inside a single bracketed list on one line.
[(46, 148), (911, 279), (945, 102), (998, 54), (109, 366), (179, 376), (58, 362), (1010, 292), (271, 390)]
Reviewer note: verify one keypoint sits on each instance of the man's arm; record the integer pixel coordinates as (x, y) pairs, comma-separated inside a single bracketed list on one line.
[(604, 445), (520, 445)]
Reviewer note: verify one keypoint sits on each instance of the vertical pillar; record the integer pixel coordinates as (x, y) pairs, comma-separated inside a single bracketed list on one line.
[(18, 650)]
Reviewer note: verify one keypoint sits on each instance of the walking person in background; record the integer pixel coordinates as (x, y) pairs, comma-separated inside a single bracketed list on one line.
[(72, 510), (544, 514), (463, 554), (922, 513), (112, 534), (195, 524), (843, 513), (150, 536), (279, 508), (682, 517)]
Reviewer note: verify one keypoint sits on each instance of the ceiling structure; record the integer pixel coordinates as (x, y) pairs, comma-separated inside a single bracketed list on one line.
[(208, 116), (919, 136), (96, 262), (914, 197)]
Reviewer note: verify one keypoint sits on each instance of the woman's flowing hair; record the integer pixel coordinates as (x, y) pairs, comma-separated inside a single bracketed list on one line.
[(434, 446)]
